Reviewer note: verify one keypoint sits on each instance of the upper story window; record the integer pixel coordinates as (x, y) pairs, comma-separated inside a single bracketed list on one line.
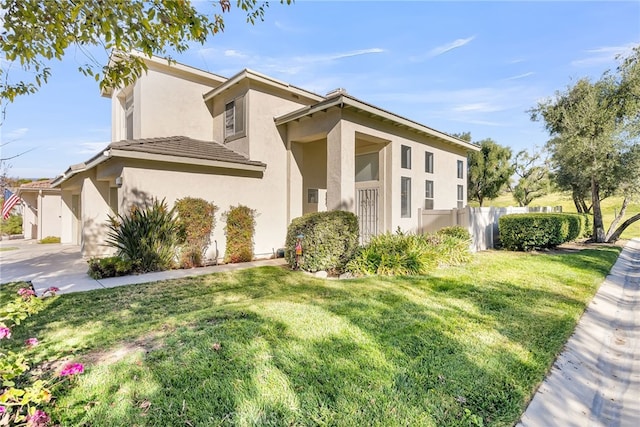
[(234, 118), (428, 162), (460, 169), (128, 116), (405, 154), (367, 167)]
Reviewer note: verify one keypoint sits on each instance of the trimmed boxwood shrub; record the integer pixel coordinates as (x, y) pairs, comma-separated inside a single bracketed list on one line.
[(330, 240), (240, 229), (525, 232)]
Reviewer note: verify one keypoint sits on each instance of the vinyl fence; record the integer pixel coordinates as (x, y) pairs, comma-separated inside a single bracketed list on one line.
[(482, 223)]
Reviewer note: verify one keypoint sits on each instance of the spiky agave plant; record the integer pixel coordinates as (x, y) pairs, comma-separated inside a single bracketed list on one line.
[(147, 236)]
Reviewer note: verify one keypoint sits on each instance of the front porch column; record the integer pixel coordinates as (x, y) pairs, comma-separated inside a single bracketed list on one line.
[(341, 149)]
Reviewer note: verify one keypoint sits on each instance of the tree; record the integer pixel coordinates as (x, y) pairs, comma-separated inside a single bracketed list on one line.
[(35, 32), (533, 177), (595, 128), (489, 170)]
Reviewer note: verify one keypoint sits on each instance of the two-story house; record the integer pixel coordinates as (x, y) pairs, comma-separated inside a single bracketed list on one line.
[(254, 140)]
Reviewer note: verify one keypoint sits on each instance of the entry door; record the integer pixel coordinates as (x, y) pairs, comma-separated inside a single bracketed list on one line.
[(367, 207)]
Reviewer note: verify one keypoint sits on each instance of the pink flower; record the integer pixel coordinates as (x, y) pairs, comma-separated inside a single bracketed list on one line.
[(3, 409), (38, 419), (72, 369), (31, 342), (5, 332), (53, 289), (26, 293)]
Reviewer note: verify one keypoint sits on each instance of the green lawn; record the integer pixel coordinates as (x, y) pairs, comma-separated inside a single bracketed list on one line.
[(610, 206), (267, 346)]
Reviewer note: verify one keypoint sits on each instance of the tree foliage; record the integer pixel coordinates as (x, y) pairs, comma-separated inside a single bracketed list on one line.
[(595, 126), (533, 177), (489, 170), (35, 32)]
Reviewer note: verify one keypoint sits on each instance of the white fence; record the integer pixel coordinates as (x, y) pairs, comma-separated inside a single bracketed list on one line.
[(482, 223)]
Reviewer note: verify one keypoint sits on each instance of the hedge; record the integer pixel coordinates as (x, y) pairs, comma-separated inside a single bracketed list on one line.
[(525, 232), (329, 240)]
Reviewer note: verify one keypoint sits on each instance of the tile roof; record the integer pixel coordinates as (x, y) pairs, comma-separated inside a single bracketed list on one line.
[(37, 184), (183, 146)]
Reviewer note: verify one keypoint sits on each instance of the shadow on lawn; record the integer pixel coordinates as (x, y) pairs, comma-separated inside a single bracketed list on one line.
[(303, 352)]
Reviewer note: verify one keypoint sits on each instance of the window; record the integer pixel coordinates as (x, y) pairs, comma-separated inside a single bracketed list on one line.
[(128, 116), (367, 167), (405, 197), (428, 162), (460, 196), (460, 169), (405, 153), (113, 199), (428, 194), (234, 118)]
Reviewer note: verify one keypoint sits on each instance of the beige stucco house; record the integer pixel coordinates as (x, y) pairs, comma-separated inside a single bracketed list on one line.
[(41, 208), (254, 140)]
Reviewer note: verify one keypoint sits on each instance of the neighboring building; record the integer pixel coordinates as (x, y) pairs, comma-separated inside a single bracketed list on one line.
[(41, 209), (260, 142)]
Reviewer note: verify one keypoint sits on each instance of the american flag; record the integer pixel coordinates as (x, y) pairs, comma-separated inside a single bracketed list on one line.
[(10, 201)]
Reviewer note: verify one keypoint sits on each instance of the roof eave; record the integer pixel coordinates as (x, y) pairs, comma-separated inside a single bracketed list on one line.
[(138, 155)]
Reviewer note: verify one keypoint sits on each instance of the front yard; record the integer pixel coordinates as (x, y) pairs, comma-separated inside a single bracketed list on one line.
[(267, 346)]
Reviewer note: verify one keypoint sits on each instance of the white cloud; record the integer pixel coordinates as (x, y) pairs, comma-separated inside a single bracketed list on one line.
[(232, 53), (450, 46), (311, 59), (603, 55), (91, 147), (14, 134), (521, 76), (480, 107)]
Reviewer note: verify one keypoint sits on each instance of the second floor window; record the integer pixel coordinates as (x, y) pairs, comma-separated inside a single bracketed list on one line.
[(405, 153), (128, 117), (234, 118), (460, 169), (428, 162)]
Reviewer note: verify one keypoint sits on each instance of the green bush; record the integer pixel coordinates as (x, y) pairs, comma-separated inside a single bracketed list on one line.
[(408, 254), (239, 230), (101, 268), (330, 240), (50, 239), (196, 221), (11, 225), (147, 237), (525, 232)]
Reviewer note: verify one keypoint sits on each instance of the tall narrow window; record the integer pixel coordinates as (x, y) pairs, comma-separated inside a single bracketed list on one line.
[(460, 196), (128, 116), (428, 162), (234, 118), (405, 153), (405, 197), (428, 194), (460, 169)]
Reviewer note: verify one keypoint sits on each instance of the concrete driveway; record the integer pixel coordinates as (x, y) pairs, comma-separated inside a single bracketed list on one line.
[(45, 264)]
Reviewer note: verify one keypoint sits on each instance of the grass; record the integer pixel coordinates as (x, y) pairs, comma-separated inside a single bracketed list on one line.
[(466, 346), (610, 206), (8, 248)]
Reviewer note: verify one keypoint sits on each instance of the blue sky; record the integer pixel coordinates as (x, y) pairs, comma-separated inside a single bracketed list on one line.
[(454, 66)]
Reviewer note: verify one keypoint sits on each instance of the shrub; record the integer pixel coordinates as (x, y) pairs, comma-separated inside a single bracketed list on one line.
[(239, 230), (395, 255), (101, 268), (196, 221), (538, 230), (407, 254), (50, 239), (330, 240), (11, 225), (147, 236)]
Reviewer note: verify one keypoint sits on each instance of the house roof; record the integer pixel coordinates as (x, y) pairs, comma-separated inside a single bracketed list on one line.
[(261, 78), (342, 100), (36, 186), (173, 149)]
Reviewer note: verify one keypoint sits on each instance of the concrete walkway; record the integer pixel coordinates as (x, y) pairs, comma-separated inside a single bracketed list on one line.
[(596, 379), (62, 266)]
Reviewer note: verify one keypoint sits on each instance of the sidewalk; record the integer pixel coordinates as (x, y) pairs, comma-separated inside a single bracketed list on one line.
[(596, 379), (62, 266)]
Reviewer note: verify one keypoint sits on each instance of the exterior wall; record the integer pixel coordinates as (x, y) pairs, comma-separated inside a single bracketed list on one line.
[(94, 200), (144, 180), (30, 215), (166, 103)]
